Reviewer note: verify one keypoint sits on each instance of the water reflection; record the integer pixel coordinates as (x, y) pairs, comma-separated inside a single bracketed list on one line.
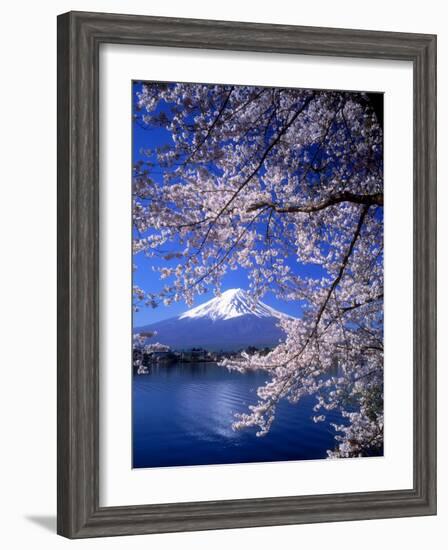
[(182, 415)]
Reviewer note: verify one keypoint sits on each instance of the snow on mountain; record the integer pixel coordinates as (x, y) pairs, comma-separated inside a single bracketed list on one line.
[(232, 303), (228, 322)]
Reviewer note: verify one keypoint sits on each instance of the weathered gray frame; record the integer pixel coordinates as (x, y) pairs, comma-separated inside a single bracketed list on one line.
[(79, 37)]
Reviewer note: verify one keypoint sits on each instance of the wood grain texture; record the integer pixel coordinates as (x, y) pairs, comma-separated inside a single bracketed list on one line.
[(79, 38)]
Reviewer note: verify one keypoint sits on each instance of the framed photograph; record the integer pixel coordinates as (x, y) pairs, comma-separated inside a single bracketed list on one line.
[(246, 274)]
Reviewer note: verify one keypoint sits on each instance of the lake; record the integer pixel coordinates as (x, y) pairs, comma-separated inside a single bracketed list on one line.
[(182, 415)]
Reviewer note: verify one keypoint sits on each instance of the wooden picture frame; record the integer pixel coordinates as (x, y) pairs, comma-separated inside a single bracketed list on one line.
[(79, 38)]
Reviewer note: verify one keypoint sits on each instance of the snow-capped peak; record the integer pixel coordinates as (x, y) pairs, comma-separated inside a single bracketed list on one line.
[(232, 303)]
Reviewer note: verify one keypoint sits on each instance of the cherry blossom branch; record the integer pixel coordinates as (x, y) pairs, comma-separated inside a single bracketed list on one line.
[(345, 196), (210, 129), (260, 163)]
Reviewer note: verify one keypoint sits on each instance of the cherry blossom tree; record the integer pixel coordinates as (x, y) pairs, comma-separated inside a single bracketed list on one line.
[(284, 183)]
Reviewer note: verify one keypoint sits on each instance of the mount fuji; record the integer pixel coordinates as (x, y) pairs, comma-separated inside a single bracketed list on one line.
[(228, 322)]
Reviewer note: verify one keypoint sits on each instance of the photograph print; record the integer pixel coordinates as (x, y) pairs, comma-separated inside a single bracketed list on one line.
[(257, 230)]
